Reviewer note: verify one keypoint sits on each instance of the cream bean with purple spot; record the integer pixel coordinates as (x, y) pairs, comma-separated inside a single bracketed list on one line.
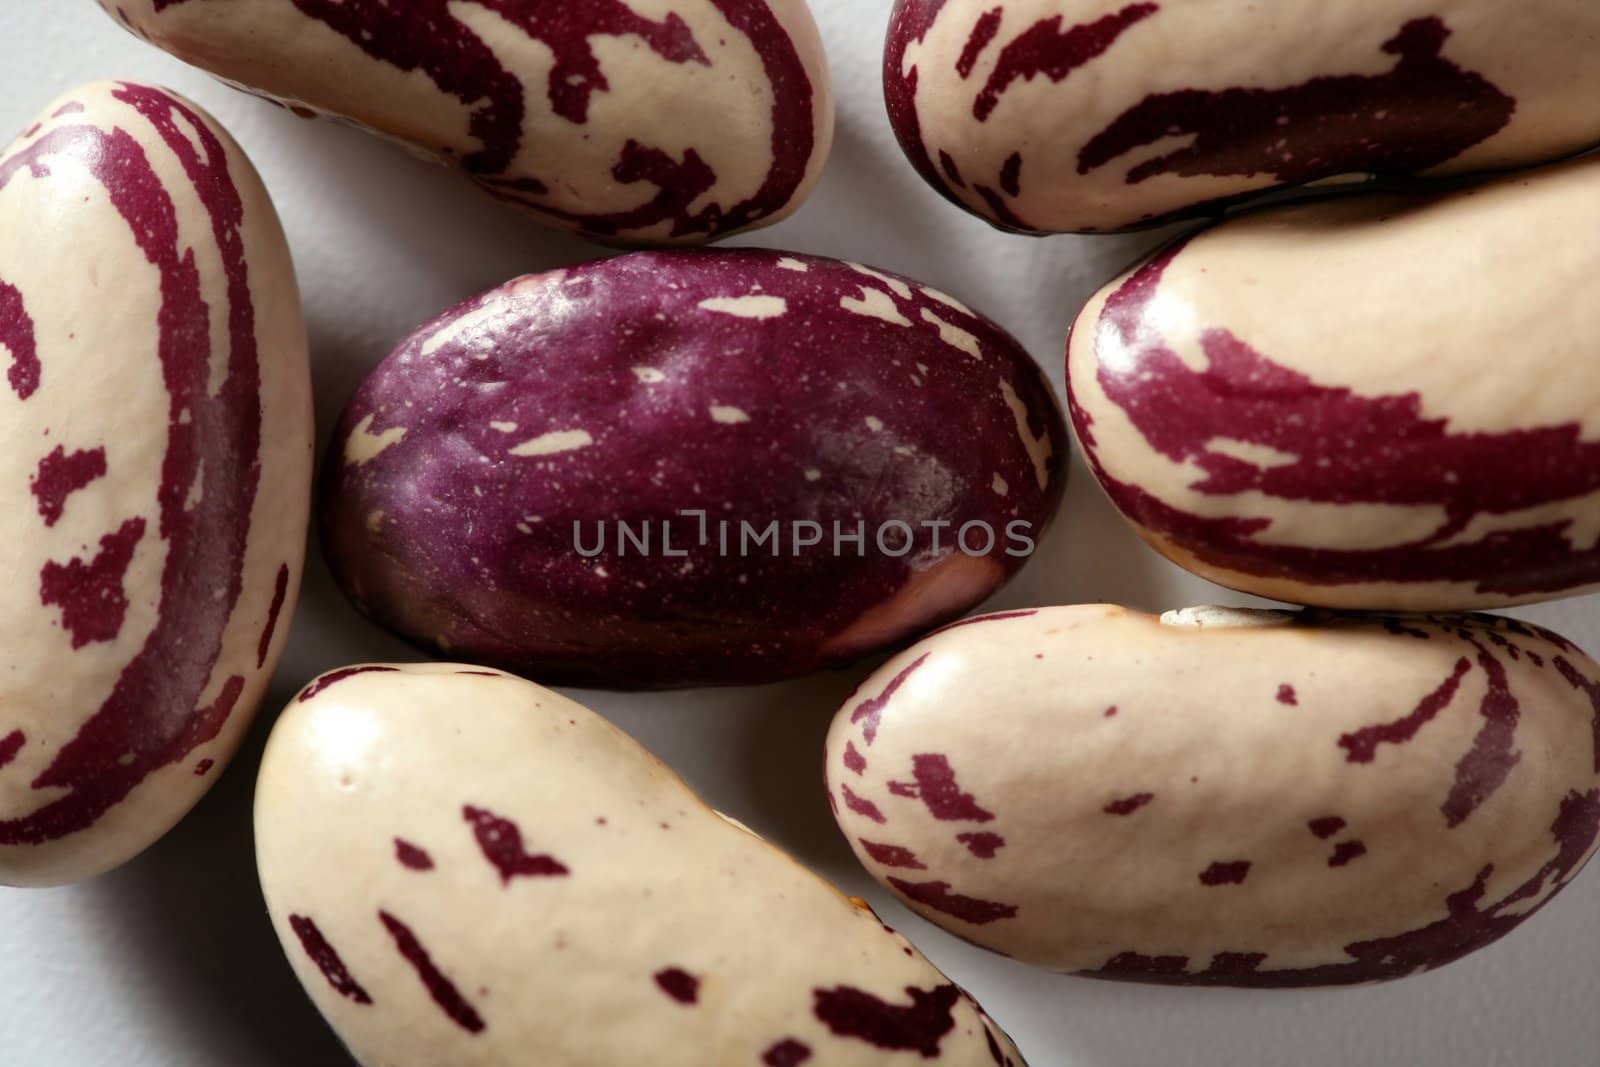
[(460, 889), (1093, 790)]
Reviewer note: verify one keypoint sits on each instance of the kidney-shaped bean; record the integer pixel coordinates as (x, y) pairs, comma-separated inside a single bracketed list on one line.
[(1116, 113), (1384, 403), (157, 483), (1223, 797), (463, 888), (691, 467), (670, 122)]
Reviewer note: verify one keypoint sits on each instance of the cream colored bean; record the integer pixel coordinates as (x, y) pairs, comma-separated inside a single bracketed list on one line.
[(464, 867), (1221, 797), (1106, 114), (157, 471), (1373, 404), (631, 121)]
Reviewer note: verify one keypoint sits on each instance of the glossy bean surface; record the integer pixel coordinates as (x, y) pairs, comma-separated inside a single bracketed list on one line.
[(691, 468), (1221, 797), (1110, 114), (464, 867), (635, 122), (1386, 403), (157, 412)]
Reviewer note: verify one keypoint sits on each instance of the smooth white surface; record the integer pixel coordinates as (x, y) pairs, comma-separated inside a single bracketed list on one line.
[(170, 961)]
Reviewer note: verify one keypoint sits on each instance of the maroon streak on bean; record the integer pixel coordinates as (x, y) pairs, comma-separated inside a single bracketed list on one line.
[(1000, 1059), (90, 593), (1469, 925), (203, 768), (870, 712), (1045, 48), (935, 783), (569, 30), (1346, 851), (1335, 436), (501, 843), (909, 24), (1326, 826), (412, 857), (917, 1027), (153, 712), (1395, 626), (1504, 644), (854, 761), (10, 745), (1522, 629), (1362, 745), (467, 68), (1231, 872), (861, 805), (892, 856), (937, 895), (983, 845), (681, 184), (280, 591), (983, 34), (16, 337), (1485, 768), (444, 992), (679, 984), (61, 474), (1286, 695), (786, 1053), (333, 678), (327, 960), (999, 616), (1421, 114), (1134, 966), (1128, 805), (1575, 678), (1011, 175), (947, 163)]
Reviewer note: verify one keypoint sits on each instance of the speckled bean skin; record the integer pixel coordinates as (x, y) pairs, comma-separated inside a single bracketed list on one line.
[(755, 387), (632, 121), (1109, 114), (462, 889), (157, 410), (1361, 404), (1221, 797)]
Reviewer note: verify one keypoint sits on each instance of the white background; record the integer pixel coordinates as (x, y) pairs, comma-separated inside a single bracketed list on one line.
[(170, 962)]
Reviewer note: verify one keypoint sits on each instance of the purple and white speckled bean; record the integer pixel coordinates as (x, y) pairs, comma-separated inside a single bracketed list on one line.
[(756, 387)]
